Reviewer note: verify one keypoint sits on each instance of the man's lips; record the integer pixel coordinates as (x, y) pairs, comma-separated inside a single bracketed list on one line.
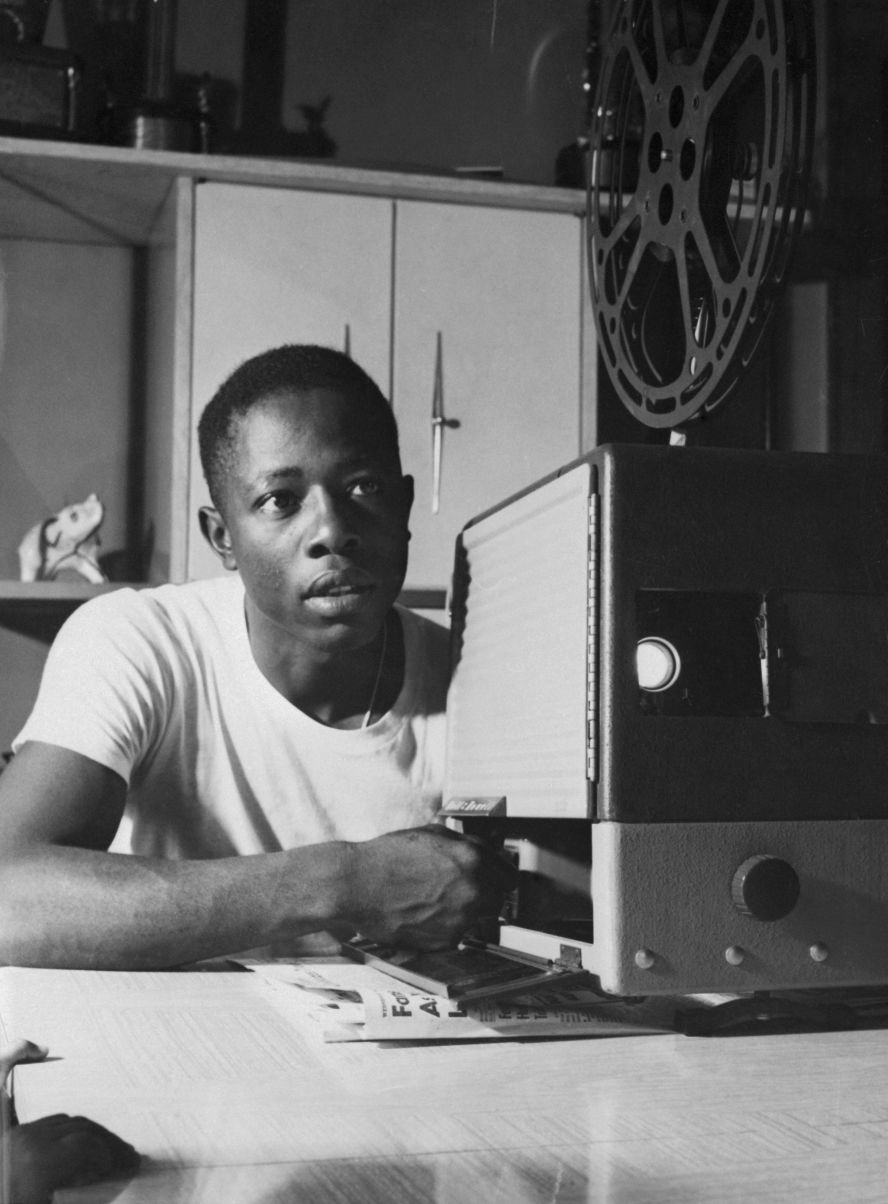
[(335, 584)]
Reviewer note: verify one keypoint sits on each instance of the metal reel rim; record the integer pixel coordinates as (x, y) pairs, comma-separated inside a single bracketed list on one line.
[(777, 213)]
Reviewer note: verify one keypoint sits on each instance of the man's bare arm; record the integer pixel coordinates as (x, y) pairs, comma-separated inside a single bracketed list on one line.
[(66, 901)]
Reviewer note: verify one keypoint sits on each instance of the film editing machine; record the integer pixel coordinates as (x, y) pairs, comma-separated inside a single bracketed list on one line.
[(670, 690)]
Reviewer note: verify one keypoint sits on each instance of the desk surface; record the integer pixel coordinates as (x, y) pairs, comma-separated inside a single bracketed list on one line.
[(790, 1117)]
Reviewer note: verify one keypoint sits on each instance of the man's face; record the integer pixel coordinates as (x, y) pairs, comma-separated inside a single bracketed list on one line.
[(315, 519)]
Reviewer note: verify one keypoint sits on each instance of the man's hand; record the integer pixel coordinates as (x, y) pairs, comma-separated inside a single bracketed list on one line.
[(63, 1151), (56, 1151), (423, 888), (17, 1052)]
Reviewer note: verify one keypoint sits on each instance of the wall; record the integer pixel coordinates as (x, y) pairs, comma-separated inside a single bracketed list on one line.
[(65, 424), (418, 82)]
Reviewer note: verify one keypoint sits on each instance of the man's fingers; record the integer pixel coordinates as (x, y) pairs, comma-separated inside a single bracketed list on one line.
[(71, 1150), (19, 1051), (425, 887), (91, 1152), (23, 1050), (496, 866)]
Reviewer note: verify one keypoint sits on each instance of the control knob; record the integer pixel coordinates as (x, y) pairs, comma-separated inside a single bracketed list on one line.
[(765, 887)]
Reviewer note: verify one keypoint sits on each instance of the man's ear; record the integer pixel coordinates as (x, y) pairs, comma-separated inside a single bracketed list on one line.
[(408, 492), (215, 532)]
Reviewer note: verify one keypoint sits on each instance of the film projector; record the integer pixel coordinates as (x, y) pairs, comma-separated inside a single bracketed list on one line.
[(670, 690)]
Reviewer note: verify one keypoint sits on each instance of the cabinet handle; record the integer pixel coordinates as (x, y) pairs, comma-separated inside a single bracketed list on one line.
[(347, 341), (439, 422)]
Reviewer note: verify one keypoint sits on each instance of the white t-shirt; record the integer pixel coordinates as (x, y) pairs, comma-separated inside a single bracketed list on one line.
[(160, 685)]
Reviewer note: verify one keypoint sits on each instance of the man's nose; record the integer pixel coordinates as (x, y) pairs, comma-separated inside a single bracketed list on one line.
[(332, 530)]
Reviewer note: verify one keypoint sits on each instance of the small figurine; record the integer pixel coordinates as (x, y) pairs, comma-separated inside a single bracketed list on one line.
[(316, 143), (67, 540)]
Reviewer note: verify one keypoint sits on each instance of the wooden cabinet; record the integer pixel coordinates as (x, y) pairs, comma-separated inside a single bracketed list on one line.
[(488, 314)]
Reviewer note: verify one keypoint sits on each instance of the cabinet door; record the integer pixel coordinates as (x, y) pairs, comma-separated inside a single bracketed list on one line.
[(275, 266), (488, 306)]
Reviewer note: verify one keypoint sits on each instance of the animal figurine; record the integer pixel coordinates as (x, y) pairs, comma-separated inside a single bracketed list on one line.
[(67, 540), (315, 142)]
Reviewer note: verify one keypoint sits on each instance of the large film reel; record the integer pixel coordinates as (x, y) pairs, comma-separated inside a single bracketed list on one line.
[(701, 142)]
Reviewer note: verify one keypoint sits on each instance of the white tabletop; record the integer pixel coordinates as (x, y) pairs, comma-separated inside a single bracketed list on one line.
[(227, 1105)]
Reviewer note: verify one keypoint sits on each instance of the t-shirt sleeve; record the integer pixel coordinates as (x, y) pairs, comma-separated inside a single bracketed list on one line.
[(101, 692)]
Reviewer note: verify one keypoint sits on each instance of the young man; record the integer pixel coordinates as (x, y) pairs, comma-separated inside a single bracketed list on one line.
[(243, 761)]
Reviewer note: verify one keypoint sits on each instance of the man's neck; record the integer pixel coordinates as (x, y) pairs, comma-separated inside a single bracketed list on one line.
[(343, 689)]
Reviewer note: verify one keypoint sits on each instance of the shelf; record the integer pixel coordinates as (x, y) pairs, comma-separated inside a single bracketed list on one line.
[(38, 609), (76, 192), (55, 593)]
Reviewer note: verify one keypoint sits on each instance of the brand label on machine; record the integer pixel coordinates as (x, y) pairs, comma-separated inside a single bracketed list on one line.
[(477, 805)]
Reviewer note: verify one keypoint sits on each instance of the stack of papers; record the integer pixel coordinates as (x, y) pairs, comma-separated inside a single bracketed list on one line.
[(352, 1002)]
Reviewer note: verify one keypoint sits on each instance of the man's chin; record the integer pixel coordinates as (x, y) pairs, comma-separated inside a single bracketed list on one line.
[(342, 627)]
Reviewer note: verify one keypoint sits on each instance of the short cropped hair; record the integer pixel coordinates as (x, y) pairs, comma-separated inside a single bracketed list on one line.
[(294, 366)]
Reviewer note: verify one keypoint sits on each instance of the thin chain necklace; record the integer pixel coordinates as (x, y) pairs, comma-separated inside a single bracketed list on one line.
[(369, 714)]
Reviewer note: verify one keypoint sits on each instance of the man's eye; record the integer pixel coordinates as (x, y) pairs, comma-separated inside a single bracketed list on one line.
[(365, 487), (279, 502)]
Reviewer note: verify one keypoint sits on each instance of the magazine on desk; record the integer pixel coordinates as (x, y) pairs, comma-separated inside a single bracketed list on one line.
[(346, 1001)]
